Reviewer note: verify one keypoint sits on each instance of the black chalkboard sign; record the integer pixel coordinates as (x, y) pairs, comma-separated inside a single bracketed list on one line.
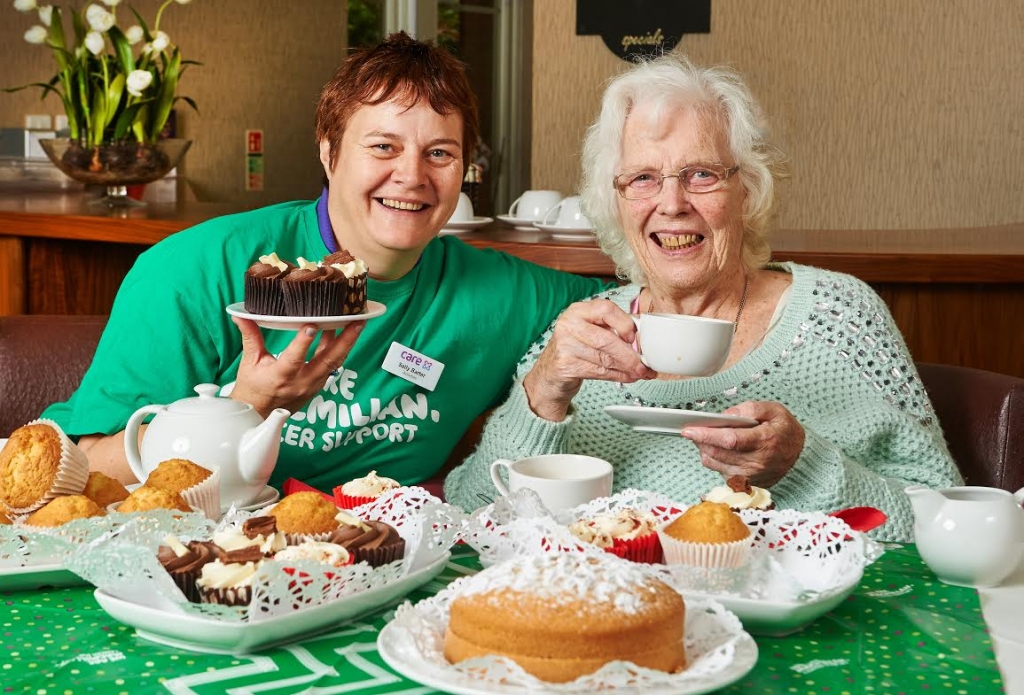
[(642, 27)]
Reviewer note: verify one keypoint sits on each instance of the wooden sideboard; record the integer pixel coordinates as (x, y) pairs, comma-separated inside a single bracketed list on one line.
[(957, 294)]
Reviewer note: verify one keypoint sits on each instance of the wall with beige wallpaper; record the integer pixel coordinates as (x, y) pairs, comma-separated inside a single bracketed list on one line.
[(896, 114), (264, 62)]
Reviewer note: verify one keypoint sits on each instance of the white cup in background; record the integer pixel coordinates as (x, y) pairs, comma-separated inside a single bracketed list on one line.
[(680, 344), (561, 481), (463, 210), (531, 206), (569, 215)]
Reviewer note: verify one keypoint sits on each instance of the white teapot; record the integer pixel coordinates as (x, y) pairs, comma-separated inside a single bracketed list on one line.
[(216, 433), (969, 536)]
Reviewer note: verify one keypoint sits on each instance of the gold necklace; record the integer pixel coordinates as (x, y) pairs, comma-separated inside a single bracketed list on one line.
[(739, 311)]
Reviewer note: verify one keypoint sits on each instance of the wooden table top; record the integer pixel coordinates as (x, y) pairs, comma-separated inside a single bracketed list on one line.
[(983, 254)]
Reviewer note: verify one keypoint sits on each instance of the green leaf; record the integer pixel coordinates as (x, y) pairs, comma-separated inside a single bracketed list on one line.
[(122, 49), (165, 96), (127, 118), (79, 26), (142, 23), (114, 93)]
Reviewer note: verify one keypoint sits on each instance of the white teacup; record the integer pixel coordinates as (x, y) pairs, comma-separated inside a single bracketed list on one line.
[(531, 206), (569, 214), (463, 210), (561, 481), (680, 344)]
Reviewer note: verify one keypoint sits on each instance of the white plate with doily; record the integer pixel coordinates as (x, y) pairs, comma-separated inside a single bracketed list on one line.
[(671, 421), (202, 634), (36, 576), (402, 646), (295, 323)]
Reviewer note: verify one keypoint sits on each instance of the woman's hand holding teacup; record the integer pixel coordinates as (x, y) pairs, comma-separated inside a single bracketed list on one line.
[(590, 340), (764, 453), (288, 381)]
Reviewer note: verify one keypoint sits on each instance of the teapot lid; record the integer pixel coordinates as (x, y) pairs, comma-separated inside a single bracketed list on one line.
[(208, 403)]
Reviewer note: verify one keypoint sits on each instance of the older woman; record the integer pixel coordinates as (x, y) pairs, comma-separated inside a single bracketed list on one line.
[(679, 181)]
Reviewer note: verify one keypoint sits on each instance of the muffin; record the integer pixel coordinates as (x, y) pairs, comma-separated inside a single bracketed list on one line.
[(198, 486), (146, 497), (374, 542), (263, 293), (38, 463), (626, 533), (352, 272), (61, 510), (305, 515), (184, 562), (4, 519), (363, 490), (104, 490), (708, 534), (739, 494)]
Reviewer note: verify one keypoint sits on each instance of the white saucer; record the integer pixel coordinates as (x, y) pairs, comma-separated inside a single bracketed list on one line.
[(670, 420), (559, 232), (268, 496), (518, 222), (294, 323), (463, 226)]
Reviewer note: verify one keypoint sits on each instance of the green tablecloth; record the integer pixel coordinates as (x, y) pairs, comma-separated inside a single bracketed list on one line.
[(901, 632)]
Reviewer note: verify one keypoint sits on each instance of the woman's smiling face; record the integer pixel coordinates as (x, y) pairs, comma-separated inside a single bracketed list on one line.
[(395, 182), (682, 240)]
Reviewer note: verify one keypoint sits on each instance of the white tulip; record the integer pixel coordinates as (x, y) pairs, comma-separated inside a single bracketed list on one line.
[(111, 3), (24, 5), (138, 81), (134, 34), (36, 34), (46, 14), (183, 2), (98, 18), (94, 42), (160, 41)]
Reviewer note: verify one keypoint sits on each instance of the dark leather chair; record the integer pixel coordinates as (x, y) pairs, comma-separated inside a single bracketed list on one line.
[(982, 416), (42, 360)]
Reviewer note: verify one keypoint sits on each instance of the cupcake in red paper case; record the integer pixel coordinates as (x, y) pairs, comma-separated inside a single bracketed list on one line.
[(739, 494), (363, 490), (351, 274), (228, 580), (626, 533), (708, 535), (263, 291), (374, 542)]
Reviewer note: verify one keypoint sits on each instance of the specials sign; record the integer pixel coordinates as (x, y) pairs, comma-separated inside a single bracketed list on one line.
[(642, 27)]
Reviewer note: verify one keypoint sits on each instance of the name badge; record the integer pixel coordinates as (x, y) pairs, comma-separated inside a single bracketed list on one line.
[(413, 366)]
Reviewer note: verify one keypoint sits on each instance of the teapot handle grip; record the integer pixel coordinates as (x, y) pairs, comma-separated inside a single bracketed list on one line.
[(131, 439)]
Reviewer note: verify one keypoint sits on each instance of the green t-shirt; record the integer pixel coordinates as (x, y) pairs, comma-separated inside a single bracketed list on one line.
[(474, 311)]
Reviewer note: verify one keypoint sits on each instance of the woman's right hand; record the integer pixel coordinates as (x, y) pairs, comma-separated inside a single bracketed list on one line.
[(591, 340), (288, 380)]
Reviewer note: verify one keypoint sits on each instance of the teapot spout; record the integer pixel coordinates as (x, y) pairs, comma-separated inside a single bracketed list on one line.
[(924, 501), (257, 452)]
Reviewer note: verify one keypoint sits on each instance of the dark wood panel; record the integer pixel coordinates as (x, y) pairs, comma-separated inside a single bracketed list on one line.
[(76, 277), (12, 274)]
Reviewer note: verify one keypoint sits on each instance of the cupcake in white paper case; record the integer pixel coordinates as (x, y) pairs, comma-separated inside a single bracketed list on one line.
[(709, 535), (39, 463)]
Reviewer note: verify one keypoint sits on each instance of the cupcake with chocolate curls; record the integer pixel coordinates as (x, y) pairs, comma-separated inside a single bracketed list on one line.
[(350, 273), (263, 293), (312, 290), (374, 542)]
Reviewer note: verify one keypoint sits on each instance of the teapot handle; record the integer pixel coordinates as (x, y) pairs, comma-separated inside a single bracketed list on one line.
[(131, 439)]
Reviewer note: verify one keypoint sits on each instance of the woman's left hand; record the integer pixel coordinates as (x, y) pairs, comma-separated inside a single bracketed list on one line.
[(763, 454)]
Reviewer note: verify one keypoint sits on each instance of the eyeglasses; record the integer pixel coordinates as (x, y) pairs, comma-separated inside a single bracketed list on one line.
[(698, 178)]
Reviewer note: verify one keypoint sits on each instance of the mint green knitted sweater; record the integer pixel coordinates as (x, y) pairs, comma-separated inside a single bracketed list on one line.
[(836, 360)]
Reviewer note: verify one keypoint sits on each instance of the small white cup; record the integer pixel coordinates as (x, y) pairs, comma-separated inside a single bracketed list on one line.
[(463, 210), (569, 214), (531, 206), (561, 481), (680, 344)]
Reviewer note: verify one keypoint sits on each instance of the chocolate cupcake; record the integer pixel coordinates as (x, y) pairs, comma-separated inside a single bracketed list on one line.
[(373, 542), (312, 290), (228, 579), (184, 562), (351, 274), (263, 293)]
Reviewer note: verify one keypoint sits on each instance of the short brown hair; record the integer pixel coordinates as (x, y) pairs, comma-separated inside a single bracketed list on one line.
[(403, 68)]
